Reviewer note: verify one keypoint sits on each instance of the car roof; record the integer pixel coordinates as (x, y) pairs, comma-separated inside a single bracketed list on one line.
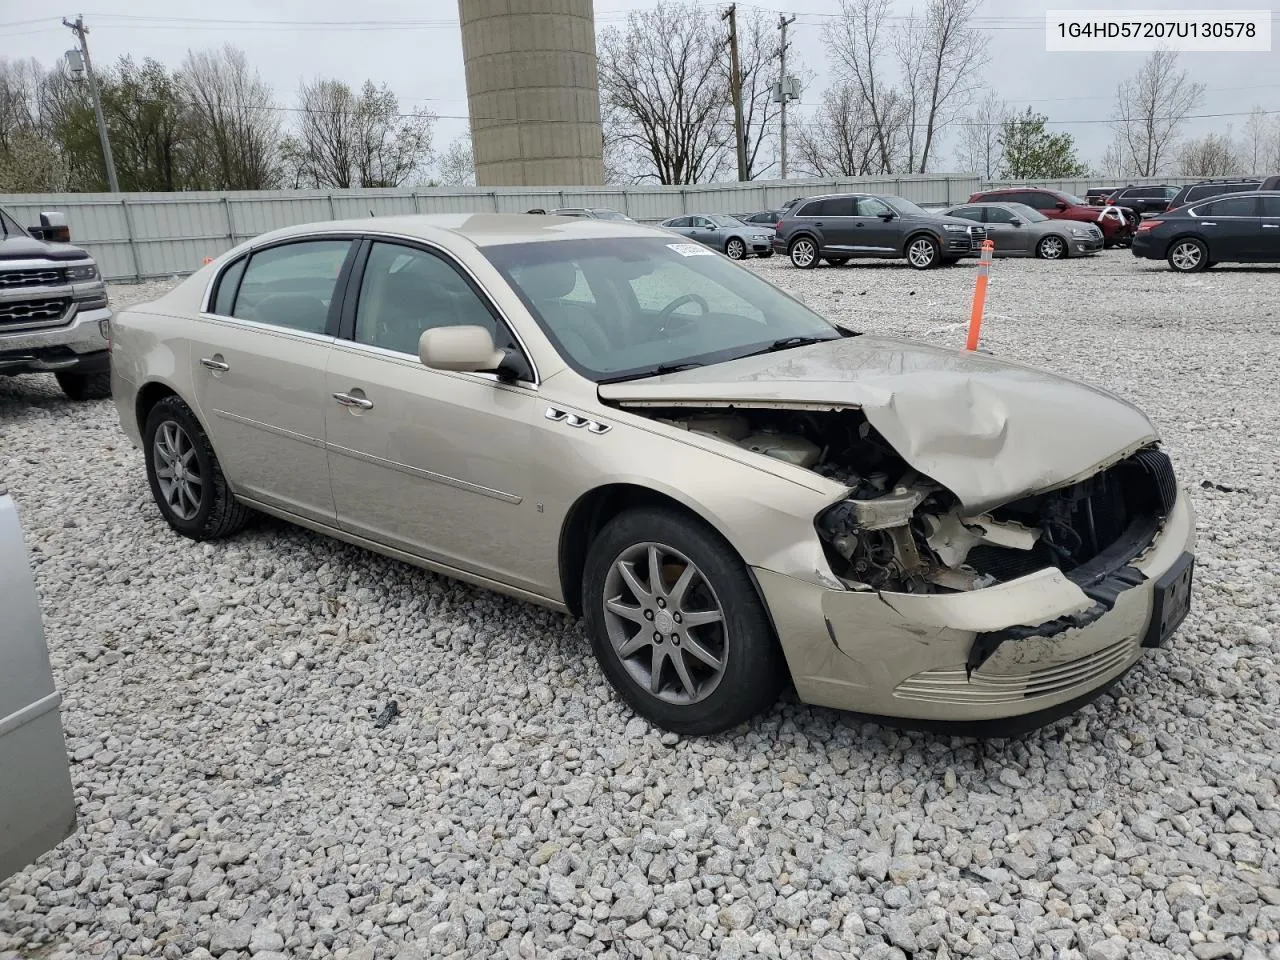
[(480, 229)]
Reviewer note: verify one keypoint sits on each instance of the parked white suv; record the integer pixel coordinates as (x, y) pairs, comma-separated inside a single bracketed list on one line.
[(54, 316)]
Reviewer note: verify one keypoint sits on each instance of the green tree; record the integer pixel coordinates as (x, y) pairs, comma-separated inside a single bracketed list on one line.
[(1029, 152)]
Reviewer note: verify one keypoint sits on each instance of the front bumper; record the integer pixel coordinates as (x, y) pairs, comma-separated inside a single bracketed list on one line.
[(907, 656), (78, 344)]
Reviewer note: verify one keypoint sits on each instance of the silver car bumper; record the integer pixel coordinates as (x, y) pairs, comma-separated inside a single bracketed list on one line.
[(81, 335), (906, 655)]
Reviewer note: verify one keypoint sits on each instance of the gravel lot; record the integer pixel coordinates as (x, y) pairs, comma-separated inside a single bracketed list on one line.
[(236, 798)]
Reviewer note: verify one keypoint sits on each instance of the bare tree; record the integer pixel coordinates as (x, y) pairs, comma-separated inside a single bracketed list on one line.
[(1259, 130), (457, 164), (20, 85), (1209, 156), (941, 57), (839, 140), (344, 139), (979, 150), (758, 42), (661, 82), (858, 41), (1151, 107), (233, 118)]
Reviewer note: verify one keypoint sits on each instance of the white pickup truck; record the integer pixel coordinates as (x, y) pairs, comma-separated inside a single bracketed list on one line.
[(37, 805), (54, 316)]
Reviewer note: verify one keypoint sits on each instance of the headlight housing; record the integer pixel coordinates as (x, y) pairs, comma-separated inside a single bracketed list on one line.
[(1080, 232), (81, 272), (954, 228)]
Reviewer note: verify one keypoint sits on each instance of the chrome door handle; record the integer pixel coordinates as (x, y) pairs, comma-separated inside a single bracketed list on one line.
[(214, 364), (1208, 223), (1271, 226), (349, 401)]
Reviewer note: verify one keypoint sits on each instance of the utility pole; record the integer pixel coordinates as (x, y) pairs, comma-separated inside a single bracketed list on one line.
[(81, 31), (735, 83), (784, 87)]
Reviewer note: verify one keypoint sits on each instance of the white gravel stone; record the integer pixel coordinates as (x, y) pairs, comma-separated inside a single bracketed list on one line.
[(234, 796)]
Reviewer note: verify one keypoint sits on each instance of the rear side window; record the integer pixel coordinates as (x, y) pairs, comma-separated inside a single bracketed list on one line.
[(224, 296), (810, 209), (838, 207), (292, 285), (1229, 207), (1041, 201), (1271, 206)]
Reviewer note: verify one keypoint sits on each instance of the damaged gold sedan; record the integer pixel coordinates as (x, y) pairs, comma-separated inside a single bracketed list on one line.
[(730, 490)]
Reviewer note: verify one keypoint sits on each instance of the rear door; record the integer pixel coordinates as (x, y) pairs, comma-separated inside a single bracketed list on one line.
[(37, 805), (1233, 227), (836, 221), (1269, 232)]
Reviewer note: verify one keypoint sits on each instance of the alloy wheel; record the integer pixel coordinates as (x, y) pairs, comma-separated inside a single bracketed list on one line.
[(178, 470), (1052, 248), (803, 253), (736, 250), (1186, 255), (665, 623), (921, 253)]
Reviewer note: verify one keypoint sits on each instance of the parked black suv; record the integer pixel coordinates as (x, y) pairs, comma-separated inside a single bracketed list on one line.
[(1203, 189), (843, 226), (1145, 199), (1241, 228)]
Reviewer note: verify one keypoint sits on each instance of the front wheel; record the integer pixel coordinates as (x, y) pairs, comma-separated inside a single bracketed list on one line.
[(1051, 247), (676, 624), (803, 253), (923, 253), (185, 476), (85, 386), (735, 249), (1188, 256)]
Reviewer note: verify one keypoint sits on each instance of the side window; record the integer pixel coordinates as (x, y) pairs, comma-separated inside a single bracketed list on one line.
[(839, 207), (1041, 201), (1230, 207), (1271, 207), (998, 215), (968, 213), (292, 285), (812, 209), (871, 207), (678, 222), (405, 291), (224, 294)]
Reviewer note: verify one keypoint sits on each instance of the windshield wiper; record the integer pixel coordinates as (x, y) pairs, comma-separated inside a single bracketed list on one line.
[(786, 343), (654, 371)]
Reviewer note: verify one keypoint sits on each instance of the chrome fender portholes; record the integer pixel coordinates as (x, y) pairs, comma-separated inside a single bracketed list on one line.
[(557, 415)]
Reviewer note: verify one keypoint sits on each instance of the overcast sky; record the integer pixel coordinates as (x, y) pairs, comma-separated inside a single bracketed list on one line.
[(420, 56)]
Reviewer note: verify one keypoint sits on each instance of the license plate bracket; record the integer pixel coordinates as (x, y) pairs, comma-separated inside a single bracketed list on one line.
[(1171, 603)]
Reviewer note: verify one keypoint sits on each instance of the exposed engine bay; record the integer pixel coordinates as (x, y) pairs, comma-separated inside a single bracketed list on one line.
[(898, 530)]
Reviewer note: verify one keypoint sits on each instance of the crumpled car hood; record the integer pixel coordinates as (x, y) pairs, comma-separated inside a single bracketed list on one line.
[(988, 430)]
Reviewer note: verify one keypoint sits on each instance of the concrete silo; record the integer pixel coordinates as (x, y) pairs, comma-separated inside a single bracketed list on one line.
[(533, 92)]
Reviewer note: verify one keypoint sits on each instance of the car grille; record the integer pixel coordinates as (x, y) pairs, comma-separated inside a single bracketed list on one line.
[(987, 686), (42, 277), (976, 236), (26, 313)]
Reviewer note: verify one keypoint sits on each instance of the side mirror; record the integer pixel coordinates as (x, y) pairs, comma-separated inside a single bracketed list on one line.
[(1016, 222), (888, 215), (1062, 205), (52, 228), (465, 348)]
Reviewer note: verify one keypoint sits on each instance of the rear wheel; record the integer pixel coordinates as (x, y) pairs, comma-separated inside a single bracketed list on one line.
[(923, 252), (735, 249), (85, 386), (804, 253), (676, 624), (1052, 247), (1188, 256), (186, 479)]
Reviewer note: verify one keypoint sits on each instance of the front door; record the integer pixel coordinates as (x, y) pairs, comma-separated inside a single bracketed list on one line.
[(872, 231), (1001, 230), (1233, 228), (422, 460), (1269, 231), (258, 358)]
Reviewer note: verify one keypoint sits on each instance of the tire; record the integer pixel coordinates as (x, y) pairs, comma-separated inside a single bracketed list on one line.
[(735, 249), (1188, 255), (923, 252), (837, 261), (766, 255), (85, 386), (803, 253), (1052, 247), (736, 635), (208, 510)]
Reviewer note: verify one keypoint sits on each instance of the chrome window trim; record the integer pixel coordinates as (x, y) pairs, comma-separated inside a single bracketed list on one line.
[(270, 328), (408, 359)]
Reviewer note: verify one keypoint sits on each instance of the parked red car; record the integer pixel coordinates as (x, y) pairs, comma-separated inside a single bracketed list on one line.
[(1118, 226)]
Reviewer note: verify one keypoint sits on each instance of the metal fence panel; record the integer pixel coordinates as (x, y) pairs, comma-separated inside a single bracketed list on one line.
[(140, 235)]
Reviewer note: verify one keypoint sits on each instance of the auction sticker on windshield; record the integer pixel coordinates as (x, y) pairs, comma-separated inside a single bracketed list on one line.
[(1147, 30), (691, 250)]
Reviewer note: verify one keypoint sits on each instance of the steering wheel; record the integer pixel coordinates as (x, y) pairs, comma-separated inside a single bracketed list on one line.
[(668, 312)]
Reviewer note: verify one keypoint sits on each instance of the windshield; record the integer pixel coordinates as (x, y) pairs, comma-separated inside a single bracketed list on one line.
[(905, 207), (1029, 214), (10, 226), (723, 221), (636, 306), (609, 215)]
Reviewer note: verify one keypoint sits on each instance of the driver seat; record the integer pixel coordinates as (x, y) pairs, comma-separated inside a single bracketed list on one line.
[(572, 322)]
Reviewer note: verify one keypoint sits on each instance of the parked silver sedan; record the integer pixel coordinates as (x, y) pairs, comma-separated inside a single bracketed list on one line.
[(1022, 231), (721, 232)]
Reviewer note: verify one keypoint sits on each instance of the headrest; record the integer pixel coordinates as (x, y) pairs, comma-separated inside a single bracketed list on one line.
[(547, 281)]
